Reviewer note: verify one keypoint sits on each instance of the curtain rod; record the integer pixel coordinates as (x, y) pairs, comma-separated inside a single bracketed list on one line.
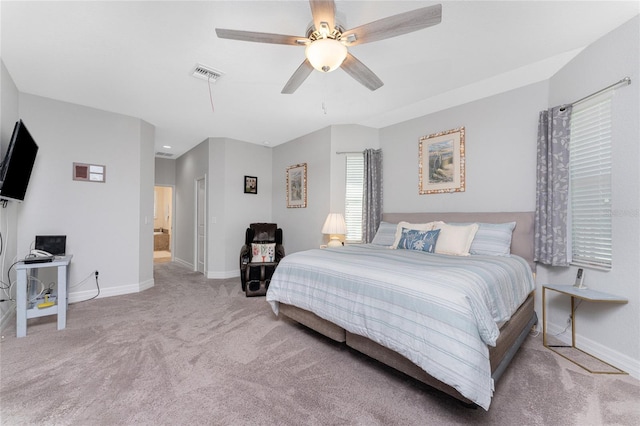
[(348, 152), (625, 80)]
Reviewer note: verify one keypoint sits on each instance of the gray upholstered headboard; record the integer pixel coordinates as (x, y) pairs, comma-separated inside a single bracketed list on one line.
[(521, 241)]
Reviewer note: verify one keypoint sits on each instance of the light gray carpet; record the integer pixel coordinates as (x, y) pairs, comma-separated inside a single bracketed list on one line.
[(196, 351)]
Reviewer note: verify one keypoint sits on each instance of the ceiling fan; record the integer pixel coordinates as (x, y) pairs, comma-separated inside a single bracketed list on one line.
[(327, 41)]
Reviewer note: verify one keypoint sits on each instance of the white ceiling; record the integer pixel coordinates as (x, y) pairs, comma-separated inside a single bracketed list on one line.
[(136, 58)]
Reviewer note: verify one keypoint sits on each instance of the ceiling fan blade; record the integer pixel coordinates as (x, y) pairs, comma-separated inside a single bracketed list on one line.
[(323, 11), (298, 77), (260, 37), (395, 25), (361, 73)]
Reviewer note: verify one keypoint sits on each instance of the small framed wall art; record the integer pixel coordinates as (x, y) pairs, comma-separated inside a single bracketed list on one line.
[(89, 172), (442, 162), (250, 185), (297, 186)]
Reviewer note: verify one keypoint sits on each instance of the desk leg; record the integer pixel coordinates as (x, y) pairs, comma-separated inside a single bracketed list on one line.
[(544, 318), (573, 323), (21, 303), (62, 297)]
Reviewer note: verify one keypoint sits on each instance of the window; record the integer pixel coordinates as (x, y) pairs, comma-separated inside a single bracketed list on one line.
[(353, 197), (590, 182)]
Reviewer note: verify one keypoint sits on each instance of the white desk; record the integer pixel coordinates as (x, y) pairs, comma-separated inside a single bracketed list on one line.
[(583, 294), (24, 312)]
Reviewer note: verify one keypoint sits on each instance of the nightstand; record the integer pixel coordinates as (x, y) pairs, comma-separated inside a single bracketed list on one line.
[(582, 294)]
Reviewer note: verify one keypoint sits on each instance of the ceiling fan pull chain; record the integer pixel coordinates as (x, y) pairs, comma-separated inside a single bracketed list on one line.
[(210, 96)]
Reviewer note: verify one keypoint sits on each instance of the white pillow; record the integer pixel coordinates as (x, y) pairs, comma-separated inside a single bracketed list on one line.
[(416, 226), (455, 240)]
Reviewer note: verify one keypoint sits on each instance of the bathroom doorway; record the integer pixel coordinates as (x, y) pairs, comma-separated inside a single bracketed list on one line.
[(163, 224)]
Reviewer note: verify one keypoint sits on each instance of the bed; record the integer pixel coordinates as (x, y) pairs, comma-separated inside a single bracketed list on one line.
[(453, 322)]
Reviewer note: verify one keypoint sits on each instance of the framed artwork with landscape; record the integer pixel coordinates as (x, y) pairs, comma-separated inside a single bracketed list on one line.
[(250, 185), (297, 186), (442, 162)]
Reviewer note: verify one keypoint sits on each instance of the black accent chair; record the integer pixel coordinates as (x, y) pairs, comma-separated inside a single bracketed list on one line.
[(256, 276)]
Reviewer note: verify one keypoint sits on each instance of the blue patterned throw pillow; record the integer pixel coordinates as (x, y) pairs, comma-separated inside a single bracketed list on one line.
[(413, 239)]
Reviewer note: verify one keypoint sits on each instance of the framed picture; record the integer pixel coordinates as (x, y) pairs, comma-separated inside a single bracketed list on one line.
[(250, 185), (441, 162), (297, 186)]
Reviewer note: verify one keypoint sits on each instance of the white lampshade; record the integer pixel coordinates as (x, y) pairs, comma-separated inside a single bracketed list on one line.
[(334, 226), (326, 54)]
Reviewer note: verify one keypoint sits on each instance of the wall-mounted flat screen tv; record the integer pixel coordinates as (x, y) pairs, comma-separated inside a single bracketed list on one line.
[(16, 167)]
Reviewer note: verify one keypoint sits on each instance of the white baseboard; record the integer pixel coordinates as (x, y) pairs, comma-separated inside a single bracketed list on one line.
[(145, 285), (183, 263), (222, 275), (621, 361), (80, 296), (212, 275)]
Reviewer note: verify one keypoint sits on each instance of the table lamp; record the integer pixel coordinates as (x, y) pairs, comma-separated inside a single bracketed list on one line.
[(335, 227)]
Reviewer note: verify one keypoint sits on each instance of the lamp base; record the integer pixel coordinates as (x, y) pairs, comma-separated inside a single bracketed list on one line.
[(334, 242)]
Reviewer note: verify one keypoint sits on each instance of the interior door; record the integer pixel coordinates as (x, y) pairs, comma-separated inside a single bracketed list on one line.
[(201, 231)]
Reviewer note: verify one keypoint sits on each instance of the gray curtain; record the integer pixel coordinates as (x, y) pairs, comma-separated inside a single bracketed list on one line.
[(372, 196), (552, 187)]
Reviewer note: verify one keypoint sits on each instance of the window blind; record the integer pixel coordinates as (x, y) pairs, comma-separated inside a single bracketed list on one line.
[(590, 182), (353, 197)]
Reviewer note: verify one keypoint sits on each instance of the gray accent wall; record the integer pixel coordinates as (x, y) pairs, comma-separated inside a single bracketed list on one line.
[(229, 210), (609, 331), (346, 138), (165, 172), (8, 216), (190, 166), (146, 197), (301, 227), (500, 153), (107, 224)]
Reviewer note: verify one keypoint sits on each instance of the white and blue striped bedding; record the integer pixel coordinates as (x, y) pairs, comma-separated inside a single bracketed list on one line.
[(438, 311)]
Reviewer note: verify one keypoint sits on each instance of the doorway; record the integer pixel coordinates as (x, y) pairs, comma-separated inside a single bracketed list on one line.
[(162, 224)]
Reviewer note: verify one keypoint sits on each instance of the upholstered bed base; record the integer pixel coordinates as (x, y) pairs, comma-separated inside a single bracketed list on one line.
[(512, 334)]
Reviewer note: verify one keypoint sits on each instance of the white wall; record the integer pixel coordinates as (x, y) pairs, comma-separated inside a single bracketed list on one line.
[(104, 222), (610, 331), (8, 216)]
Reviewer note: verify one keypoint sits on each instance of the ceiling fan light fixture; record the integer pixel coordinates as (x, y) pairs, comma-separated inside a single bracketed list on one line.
[(326, 54)]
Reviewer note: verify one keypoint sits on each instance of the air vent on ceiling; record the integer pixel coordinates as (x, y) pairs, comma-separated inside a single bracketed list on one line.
[(206, 73), (164, 154)]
